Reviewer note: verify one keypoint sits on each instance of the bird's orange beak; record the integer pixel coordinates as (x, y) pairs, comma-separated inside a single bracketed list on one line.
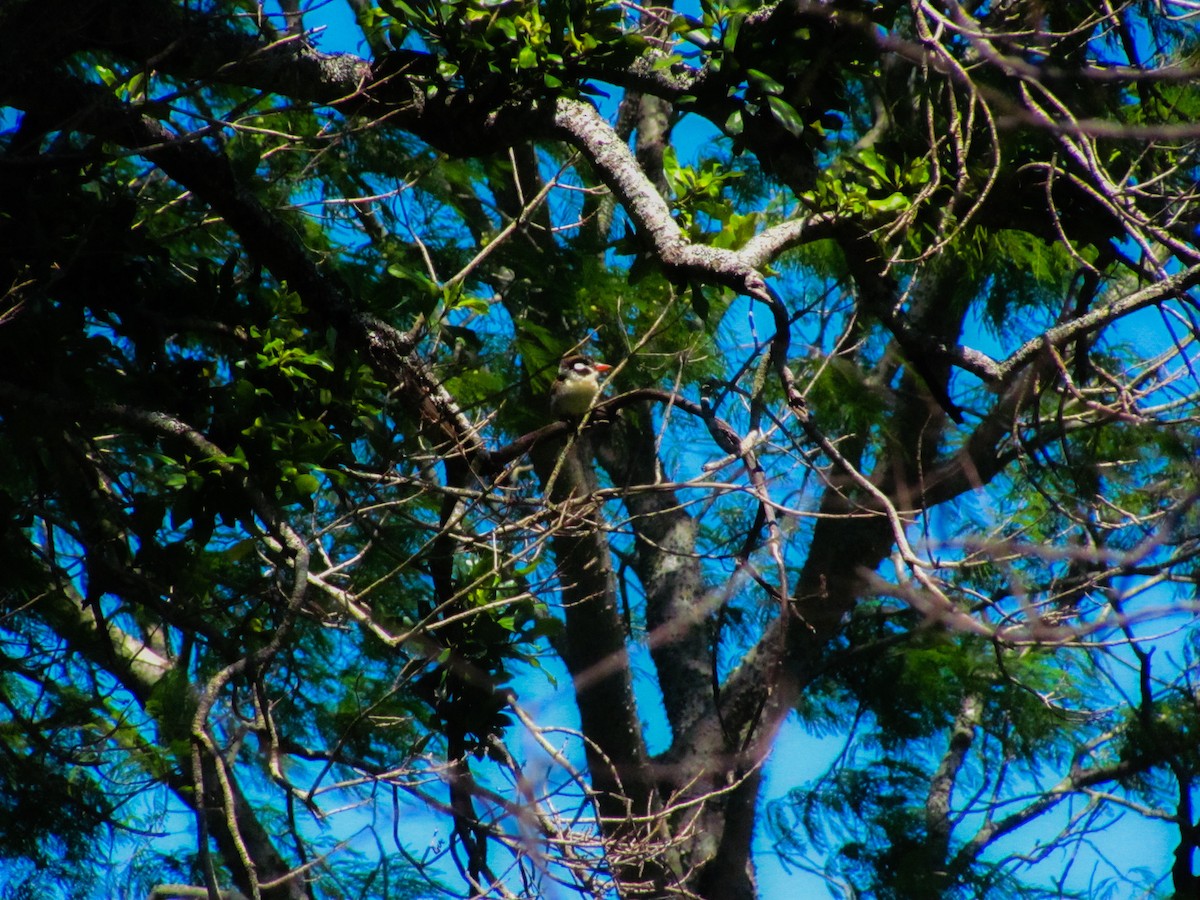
[(602, 367)]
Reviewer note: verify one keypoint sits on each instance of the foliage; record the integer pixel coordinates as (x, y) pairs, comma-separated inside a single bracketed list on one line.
[(899, 446)]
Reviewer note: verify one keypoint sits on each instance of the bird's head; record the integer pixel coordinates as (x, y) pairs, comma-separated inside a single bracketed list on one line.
[(577, 385)]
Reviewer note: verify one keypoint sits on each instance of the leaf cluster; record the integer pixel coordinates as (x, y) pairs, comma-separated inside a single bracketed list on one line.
[(526, 46)]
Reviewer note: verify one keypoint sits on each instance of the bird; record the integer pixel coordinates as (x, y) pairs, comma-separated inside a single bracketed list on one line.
[(576, 387)]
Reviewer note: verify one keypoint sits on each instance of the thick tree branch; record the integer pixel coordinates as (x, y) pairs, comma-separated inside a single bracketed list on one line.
[(668, 569), (578, 123), (141, 671), (595, 653), (938, 824)]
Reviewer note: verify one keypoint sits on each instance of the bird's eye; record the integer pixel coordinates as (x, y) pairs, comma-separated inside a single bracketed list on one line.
[(580, 367)]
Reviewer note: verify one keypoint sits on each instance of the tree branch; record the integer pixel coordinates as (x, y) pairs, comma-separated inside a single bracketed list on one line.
[(579, 124)]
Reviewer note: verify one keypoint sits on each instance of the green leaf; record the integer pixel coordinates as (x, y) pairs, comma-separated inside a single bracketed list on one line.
[(306, 485), (892, 203), (107, 75), (785, 114), (764, 82), (472, 304), (872, 161), (733, 27), (241, 550)]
